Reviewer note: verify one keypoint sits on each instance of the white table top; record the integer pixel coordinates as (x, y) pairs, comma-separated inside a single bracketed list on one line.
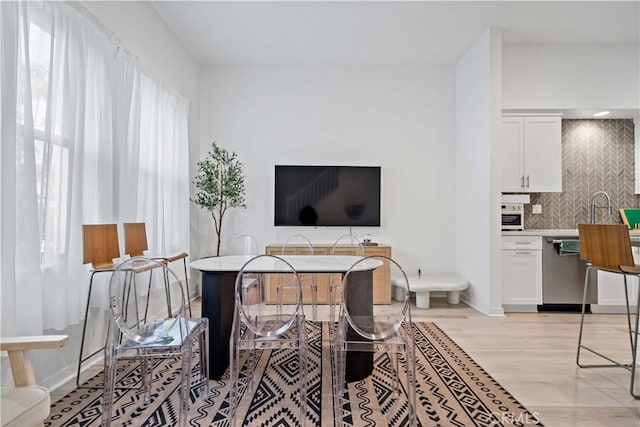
[(301, 263)]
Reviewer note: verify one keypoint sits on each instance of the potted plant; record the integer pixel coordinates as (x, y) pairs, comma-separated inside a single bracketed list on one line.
[(220, 185)]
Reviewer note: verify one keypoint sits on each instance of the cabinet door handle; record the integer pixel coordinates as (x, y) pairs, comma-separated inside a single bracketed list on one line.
[(527, 182), (523, 243), (523, 253), (522, 182)]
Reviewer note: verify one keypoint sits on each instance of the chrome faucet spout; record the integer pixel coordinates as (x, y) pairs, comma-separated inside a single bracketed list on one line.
[(594, 206)]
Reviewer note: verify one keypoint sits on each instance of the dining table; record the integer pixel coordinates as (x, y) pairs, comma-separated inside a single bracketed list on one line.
[(218, 299)]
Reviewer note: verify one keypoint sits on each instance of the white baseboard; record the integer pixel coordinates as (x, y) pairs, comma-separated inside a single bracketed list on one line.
[(612, 309), (493, 312), (515, 308)]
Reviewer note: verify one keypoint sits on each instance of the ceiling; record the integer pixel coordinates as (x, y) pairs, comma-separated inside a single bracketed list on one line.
[(379, 32)]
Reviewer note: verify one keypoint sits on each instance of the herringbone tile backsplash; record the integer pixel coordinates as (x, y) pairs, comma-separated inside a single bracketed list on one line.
[(597, 155)]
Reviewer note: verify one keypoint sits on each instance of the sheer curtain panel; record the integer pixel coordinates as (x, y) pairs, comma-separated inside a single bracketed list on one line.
[(87, 137)]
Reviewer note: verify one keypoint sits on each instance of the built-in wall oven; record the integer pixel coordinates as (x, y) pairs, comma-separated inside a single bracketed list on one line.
[(512, 217)]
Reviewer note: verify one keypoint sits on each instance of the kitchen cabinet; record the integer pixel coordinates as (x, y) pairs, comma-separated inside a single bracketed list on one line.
[(521, 272), (381, 276), (611, 289), (531, 154)]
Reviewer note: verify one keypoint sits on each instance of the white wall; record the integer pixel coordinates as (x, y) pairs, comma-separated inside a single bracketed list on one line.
[(570, 76), (477, 177), (400, 118), (159, 51)]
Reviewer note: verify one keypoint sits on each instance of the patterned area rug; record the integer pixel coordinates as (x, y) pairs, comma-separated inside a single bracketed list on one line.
[(452, 390)]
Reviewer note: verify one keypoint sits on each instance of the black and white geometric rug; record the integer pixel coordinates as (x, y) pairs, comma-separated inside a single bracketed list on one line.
[(452, 390)]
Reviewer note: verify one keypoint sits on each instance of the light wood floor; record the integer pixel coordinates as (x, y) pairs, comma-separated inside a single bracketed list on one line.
[(532, 355)]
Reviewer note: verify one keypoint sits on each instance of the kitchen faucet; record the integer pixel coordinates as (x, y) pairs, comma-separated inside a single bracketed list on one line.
[(594, 207)]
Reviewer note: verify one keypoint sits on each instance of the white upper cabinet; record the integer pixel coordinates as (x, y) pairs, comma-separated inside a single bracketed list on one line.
[(531, 151)]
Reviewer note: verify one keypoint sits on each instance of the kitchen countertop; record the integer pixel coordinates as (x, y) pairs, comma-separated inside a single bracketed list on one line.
[(542, 232), (633, 234)]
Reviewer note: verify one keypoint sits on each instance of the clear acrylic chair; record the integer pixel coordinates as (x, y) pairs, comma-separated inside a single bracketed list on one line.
[(385, 328), (132, 336), (347, 244), (253, 329), (247, 245), (135, 244), (303, 246)]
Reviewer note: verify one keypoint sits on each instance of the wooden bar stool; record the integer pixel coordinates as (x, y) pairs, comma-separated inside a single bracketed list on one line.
[(135, 243), (607, 247), (99, 248)]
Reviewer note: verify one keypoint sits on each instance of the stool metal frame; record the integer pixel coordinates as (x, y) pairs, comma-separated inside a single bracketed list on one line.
[(607, 247)]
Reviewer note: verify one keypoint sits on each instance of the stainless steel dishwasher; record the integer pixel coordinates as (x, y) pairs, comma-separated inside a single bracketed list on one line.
[(563, 277)]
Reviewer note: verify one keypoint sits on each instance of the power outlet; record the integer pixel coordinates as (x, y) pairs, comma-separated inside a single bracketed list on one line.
[(536, 209)]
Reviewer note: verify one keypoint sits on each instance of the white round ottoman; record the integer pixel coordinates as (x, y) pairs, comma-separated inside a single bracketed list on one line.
[(424, 284)]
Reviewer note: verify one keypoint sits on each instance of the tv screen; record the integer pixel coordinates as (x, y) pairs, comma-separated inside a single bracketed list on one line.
[(327, 195)]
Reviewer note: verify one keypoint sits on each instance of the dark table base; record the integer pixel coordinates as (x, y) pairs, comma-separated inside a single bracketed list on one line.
[(218, 304), (359, 299)]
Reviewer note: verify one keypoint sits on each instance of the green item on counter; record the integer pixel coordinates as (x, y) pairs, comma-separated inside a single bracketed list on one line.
[(570, 247), (631, 217)]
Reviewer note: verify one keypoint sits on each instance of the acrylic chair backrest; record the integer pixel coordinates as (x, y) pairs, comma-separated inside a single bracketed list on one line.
[(303, 245), (384, 320), (100, 245), (605, 246), (245, 244), (129, 304), (349, 244), (135, 238), (251, 311)]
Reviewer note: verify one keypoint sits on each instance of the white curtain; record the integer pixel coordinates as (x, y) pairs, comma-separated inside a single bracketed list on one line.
[(87, 137), (163, 174)]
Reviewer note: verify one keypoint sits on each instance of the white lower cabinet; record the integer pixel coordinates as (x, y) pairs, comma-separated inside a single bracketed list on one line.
[(611, 288), (521, 272)]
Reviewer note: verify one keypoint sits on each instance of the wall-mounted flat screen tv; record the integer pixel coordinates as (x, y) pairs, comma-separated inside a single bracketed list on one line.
[(327, 195)]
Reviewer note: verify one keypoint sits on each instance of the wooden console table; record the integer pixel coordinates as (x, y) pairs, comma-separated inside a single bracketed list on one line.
[(381, 276)]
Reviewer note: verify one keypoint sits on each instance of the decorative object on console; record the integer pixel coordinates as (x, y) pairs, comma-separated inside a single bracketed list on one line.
[(220, 184), (367, 241)]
